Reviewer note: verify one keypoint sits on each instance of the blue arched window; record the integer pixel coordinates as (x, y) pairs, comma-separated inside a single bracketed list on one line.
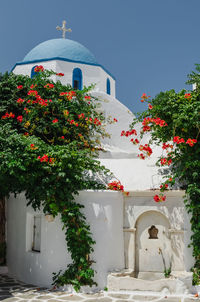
[(108, 86), (33, 73), (77, 79)]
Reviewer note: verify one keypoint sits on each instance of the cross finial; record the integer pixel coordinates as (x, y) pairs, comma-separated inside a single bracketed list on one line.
[(64, 29)]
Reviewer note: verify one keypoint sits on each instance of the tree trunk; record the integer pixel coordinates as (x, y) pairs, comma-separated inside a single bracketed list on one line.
[(2, 232)]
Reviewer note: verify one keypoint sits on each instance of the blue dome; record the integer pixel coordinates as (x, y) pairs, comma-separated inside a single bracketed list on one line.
[(61, 48)]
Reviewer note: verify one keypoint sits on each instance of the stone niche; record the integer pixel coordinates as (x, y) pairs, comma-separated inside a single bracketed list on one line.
[(153, 252)]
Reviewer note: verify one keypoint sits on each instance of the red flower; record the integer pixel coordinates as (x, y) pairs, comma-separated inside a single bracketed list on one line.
[(144, 97), (165, 187), (20, 101), (163, 161), (49, 86), (169, 162), (135, 141), (156, 198), (141, 156), (96, 121), (60, 74), (191, 142), (55, 120), (146, 128), (166, 146), (115, 120), (116, 186), (19, 87), (146, 121), (163, 198), (181, 141), (43, 103), (32, 146), (8, 115), (44, 158), (128, 133), (150, 107), (69, 94), (146, 148), (20, 118), (159, 198), (33, 86), (162, 123), (39, 68), (87, 97), (188, 96), (32, 92), (176, 139), (82, 115)]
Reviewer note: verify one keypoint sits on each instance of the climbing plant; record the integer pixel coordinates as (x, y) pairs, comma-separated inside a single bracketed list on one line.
[(49, 141), (173, 120)]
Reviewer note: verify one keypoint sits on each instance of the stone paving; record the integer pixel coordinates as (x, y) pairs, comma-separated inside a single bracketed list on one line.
[(15, 291)]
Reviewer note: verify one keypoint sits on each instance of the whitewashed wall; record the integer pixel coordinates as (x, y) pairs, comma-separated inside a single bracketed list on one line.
[(90, 74), (104, 211), (112, 217), (25, 69)]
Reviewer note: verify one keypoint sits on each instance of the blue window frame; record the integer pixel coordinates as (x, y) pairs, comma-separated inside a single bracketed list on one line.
[(108, 86), (77, 79)]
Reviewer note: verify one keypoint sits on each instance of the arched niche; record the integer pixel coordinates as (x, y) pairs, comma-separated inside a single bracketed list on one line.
[(33, 73), (153, 252), (77, 79)]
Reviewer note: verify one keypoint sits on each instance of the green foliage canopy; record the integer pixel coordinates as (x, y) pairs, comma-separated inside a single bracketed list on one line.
[(49, 141)]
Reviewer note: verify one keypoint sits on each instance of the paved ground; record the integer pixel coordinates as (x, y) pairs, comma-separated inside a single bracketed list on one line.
[(15, 291)]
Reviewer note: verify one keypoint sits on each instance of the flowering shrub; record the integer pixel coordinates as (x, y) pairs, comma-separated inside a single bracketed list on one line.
[(174, 121), (49, 141)]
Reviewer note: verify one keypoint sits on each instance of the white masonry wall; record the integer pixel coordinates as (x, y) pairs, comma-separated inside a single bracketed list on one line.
[(104, 212)]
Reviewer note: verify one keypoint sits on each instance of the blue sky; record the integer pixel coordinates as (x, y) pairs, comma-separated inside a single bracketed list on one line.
[(148, 45)]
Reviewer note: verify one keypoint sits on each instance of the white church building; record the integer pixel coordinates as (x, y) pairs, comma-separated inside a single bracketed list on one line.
[(136, 238)]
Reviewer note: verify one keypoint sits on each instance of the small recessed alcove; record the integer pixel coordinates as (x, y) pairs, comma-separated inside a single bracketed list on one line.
[(153, 232)]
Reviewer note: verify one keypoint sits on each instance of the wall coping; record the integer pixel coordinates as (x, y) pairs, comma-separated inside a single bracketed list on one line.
[(137, 193)]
